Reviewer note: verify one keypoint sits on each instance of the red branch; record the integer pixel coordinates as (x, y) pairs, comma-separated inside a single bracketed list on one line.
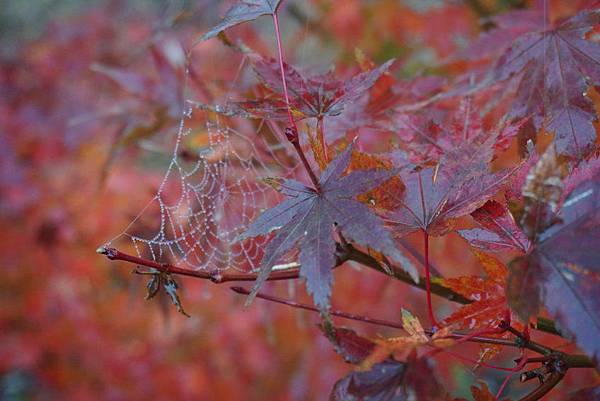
[(214, 276)]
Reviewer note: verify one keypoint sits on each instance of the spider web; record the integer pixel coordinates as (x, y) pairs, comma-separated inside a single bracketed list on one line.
[(212, 190)]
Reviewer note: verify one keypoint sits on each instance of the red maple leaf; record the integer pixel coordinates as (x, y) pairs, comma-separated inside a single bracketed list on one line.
[(456, 186), (390, 380), (426, 137)]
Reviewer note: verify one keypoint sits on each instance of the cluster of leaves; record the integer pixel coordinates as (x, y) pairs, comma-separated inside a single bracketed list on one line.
[(446, 159)]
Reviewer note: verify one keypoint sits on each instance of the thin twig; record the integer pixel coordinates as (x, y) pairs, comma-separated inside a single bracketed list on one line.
[(344, 315), (347, 252)]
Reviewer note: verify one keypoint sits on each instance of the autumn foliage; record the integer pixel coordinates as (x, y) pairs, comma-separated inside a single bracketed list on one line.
[(403, 197)]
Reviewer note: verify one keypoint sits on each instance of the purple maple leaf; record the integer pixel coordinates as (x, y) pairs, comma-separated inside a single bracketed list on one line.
[(562, 273), (557, 65), (456, 186), (308, 217), (310, 96), (391, 381)]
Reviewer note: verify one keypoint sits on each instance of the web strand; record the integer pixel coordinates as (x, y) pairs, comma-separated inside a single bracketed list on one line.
[(211, 191)]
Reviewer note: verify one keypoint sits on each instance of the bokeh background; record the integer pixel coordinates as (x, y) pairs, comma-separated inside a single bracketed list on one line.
[(77, 163)]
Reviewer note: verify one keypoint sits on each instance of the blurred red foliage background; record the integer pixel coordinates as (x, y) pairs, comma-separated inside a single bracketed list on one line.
[(75, 171)]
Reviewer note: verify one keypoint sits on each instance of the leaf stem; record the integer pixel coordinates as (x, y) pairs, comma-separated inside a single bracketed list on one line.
[(292, 132), (432, 318), (418, 256)]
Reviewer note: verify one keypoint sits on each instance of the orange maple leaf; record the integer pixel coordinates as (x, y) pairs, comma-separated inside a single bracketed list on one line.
[(387, 195), (416, 337), (488, 295), (489, 306)]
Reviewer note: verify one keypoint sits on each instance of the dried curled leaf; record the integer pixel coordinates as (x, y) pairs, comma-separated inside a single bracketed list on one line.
[(153, 286), (170, 286), (542, 192), (164, 279)]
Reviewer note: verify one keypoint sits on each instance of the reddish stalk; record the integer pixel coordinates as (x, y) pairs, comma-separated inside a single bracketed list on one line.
[(432, 319), (292, 132), (419, 257)]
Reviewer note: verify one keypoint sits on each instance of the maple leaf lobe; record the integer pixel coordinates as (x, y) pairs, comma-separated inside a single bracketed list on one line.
[(243, 11)]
